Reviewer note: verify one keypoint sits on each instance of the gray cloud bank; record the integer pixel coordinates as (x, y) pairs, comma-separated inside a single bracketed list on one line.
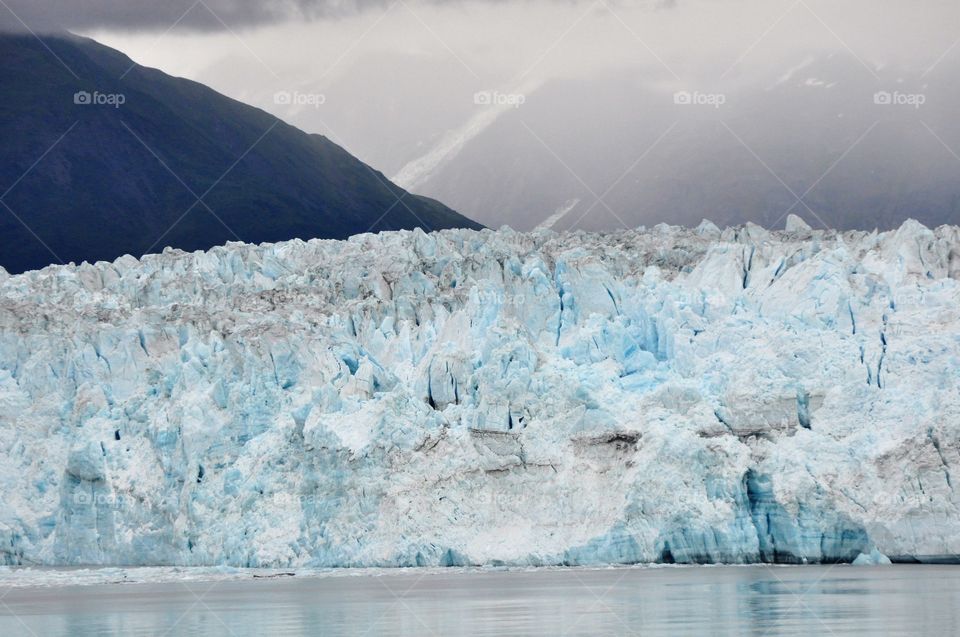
[(204, 15), (199, 15)]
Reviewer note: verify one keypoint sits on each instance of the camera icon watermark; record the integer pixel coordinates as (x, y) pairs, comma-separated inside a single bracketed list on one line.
[(899, 98), (495, 98), (96, 98), (296, 98), (696, 98)]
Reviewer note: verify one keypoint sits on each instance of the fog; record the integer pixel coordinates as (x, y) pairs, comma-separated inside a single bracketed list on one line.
[(489, 104)]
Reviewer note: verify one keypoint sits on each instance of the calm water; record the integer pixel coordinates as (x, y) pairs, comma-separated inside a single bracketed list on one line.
[(841, 600)]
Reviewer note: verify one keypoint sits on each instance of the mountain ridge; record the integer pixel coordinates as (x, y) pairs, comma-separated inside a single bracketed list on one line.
[(140, 167)]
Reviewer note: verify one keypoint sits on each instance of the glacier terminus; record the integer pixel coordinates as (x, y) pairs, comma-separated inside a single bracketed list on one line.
[(488, 398)]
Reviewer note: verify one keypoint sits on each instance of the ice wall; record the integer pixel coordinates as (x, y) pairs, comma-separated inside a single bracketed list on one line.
[(680, 395)]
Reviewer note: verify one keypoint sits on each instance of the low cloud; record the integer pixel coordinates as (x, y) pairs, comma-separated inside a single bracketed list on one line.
[(201, 15), (136, 15)]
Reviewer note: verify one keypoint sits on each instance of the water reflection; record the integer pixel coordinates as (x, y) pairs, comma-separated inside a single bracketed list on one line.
[(760, 600)]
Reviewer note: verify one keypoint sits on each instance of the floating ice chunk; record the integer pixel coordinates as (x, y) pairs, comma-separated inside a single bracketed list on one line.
[(873, 558)]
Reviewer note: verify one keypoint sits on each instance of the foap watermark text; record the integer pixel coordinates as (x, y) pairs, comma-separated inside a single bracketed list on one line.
[(899, 98), (296, 98), (97, 98), (697, 98), (496, 98)]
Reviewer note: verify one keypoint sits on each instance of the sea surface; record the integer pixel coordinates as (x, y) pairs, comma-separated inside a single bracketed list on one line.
[(648, 601)]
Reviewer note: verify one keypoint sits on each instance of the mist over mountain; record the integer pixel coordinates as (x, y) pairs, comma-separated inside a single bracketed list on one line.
[(598, 81), (102, 157), (816, 139)]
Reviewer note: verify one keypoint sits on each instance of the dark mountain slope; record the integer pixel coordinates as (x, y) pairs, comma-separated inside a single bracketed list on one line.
[(125, 178)]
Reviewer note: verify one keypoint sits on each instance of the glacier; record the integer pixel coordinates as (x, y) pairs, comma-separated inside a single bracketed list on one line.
[(460, 398)]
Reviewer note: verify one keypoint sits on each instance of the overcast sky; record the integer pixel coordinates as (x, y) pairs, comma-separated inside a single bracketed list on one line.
[(395, 80)]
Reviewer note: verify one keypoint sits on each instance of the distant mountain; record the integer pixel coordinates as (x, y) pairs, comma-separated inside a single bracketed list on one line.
[(102, 157), (815, 126)]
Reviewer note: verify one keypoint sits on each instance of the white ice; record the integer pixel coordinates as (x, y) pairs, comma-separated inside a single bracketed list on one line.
[(460, 398)]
